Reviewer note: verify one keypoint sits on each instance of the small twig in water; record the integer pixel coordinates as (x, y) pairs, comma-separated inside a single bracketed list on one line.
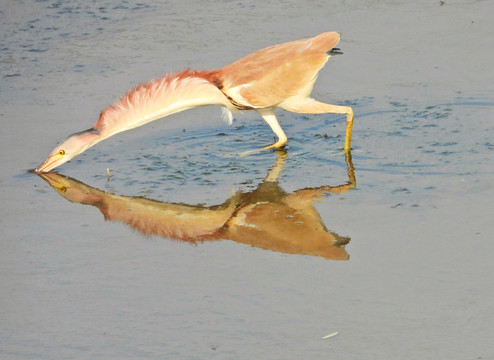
[(330, 335)]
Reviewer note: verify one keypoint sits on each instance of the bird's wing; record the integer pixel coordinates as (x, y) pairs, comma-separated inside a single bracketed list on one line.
[(268, 76)]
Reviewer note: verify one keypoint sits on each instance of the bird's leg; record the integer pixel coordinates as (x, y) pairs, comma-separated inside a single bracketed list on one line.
[(349, 128), (268, 116), (275, 171), (311, 106)]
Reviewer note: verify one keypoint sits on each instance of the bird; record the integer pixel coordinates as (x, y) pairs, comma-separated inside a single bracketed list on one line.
[(279, 76)]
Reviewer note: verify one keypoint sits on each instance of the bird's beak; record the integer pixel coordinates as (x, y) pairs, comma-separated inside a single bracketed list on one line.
[(50, 163)]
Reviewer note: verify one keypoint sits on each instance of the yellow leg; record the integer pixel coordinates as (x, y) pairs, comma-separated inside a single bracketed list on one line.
[(268, 116), (349, 127), (311, 106)]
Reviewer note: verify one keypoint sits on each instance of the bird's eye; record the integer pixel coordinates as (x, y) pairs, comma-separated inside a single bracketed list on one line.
[(61, 152)]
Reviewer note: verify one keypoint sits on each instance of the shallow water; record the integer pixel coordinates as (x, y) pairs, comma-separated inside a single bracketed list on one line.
[(85, 281)]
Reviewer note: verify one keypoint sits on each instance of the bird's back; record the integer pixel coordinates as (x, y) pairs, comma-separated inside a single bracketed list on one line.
[(268, 76)]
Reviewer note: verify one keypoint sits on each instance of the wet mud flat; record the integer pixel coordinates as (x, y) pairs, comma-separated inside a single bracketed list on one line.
[(191, 251)]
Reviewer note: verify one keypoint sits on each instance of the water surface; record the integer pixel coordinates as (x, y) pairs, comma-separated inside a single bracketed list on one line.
[(411, 215)]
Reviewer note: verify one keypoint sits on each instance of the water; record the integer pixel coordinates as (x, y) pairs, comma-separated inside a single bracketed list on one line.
[(81, 279)]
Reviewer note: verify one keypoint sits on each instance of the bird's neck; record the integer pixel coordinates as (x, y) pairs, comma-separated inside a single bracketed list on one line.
[(159, 98)]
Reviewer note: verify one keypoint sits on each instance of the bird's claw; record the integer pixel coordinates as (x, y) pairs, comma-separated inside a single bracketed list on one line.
[(277, 146)]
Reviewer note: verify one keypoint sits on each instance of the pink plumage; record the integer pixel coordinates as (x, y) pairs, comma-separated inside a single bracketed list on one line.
[(278, 76)]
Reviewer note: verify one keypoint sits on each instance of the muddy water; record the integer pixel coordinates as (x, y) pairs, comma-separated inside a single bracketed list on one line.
[(258, 256)]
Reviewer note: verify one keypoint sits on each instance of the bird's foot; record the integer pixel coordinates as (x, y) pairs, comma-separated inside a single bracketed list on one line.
[(277, 145), (249, 152)]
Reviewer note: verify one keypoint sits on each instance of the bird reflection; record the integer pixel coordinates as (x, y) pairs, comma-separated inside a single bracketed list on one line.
[(267, 217)]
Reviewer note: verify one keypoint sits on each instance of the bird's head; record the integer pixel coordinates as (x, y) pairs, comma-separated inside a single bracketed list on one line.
[(73, 146)]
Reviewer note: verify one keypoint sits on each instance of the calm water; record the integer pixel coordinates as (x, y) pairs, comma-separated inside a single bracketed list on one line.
[(236, 257)]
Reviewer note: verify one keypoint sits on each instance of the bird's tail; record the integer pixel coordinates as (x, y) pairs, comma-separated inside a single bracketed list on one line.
[(325, 42)]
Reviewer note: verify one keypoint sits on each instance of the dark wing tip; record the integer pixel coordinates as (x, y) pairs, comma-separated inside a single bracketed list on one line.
[(335, 51)]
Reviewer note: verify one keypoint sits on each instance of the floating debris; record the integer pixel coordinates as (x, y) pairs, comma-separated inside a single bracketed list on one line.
[(330, 335)]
